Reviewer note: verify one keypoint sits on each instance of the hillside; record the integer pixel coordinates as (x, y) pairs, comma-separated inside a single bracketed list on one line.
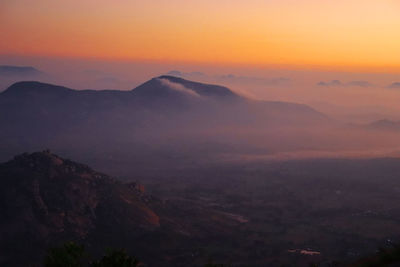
[(47, 200), (156, 114)]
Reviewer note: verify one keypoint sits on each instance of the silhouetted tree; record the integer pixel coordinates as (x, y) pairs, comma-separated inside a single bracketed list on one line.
[(68, 255), (212, 264), (116, 258)]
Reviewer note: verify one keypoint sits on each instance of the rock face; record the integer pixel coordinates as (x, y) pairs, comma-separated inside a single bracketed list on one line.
[(45, 199)]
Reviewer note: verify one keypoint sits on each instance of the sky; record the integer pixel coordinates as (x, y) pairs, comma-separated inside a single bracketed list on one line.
[(279, 50), (352, 35)]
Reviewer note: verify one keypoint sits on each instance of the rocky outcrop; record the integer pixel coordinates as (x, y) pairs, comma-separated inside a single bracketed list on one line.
[(45, 199)]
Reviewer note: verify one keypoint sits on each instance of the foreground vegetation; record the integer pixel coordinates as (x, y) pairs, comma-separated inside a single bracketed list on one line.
[(74, 255)]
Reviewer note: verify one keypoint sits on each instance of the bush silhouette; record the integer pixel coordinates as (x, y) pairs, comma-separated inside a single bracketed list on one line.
[(68, 255), (116, 258), (73, 255)]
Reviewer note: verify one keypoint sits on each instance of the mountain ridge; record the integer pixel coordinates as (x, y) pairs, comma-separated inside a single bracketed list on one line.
[(199, 88), (47, 199), (43, 115), (385, 125), (34, 86)]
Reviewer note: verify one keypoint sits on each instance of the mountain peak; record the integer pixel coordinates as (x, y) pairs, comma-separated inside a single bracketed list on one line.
[(47, 199), (385, 124), (34, 86), (394, 85), (166, 85), (44, 161)]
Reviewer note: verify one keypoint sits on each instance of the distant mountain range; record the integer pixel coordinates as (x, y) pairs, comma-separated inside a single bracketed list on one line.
[(164, 85), (26, 104), (337, 83), (161, 110), (12, 74), (385, 125), (395, 85), (364, 84), (6, 70)]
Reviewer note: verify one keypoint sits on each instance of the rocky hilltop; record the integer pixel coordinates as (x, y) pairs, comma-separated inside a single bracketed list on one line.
[(46, 199)]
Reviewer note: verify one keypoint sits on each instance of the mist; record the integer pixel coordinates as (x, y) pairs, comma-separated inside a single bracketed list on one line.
[(260, 114), (199, 133), (356, 98)]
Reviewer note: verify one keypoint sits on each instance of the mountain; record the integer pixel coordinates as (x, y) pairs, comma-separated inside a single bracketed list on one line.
[(338, 83), (6, 70), (46, 200), (394, 85), (12, 74), (330, 83), (169, 85), (386, 125), (164, 93), (360, 84), (162, 118)]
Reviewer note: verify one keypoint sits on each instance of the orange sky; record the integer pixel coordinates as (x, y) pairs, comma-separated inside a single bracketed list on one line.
[(353, 33)]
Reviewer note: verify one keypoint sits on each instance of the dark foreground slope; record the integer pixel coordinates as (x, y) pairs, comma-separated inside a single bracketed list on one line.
[(291, 213), (326, 211), (46, 200)]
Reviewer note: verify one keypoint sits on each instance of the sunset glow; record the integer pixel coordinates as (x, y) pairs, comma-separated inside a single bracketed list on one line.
[(353, 34), (208, 133)]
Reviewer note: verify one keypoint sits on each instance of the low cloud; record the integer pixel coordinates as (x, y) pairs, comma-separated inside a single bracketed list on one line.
[(359, 83), (338, 83), (395, 85), (178, 87)]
